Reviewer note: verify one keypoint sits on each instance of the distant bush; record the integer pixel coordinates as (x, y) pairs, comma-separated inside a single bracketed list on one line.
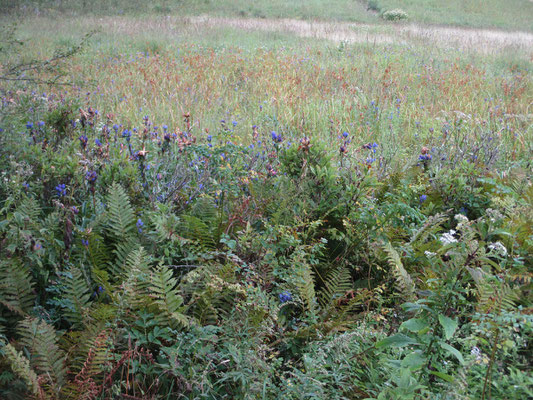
[(395, 15), (374, 5)]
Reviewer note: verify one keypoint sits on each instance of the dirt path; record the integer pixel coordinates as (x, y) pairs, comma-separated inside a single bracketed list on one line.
[(482, 40)]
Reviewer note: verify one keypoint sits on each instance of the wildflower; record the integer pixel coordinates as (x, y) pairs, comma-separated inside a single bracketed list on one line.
[(429, 253), (139, 225), (40, 123), (461, 218), (61, 190), (209, 138), (165, 128), (83, 140), (37, 246), (97, 142), (234, 123), (85, 242), (499, 248), (159, 177), (100, 289), (285, 297), (91, 176), (369, 161), (424, 157), (422, 198), (448, 238), (345, 134), (74, 209), (26, 185), (126, 134), (29, 125), (343, 149), (115, 127)]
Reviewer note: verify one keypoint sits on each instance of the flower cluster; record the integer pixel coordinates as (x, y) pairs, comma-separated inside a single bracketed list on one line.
[(285, 297), (61, 190)]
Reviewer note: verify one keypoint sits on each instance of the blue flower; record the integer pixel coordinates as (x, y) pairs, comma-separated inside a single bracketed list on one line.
[(234, 123), (61, 190), (345, 134), (85, 242), (83, 140), (115, 127), (209, 138), (424, 157), (165, 128), (126, 134), (40, 123), (139, 225), (285, 297), (422, 198), (97, 142), (29, 125), (26, 185), (91, 176)]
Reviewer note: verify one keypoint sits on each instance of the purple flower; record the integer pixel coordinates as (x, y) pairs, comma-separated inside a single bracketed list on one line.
[(85, 242), (422, 198), (91, 176), (61, 190), (26, 185), (97, 142), (75, 209), (345, 134), (139, 225), (126, 134), (40, 123), (29, 125), (83, 140), (285, 297)]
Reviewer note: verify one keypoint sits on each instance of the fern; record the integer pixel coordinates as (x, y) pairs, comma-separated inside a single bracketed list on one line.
[(121, 218), (167, 299), (306, 288), (16, 287), (77, 296), (21, 367), (336, 284), (404, 282), (48, 360), (431, 226)]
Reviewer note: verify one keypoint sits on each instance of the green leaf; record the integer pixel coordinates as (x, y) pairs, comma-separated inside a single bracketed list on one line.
[(397, 340), (415, 325), (449, 325), (453, 351), (414, 360), (442, 375)]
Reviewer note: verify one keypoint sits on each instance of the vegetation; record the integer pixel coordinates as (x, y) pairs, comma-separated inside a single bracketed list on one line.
[(503, 14), (183, 217)]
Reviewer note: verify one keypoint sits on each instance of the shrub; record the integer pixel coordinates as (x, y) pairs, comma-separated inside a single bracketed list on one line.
[(394, 15)]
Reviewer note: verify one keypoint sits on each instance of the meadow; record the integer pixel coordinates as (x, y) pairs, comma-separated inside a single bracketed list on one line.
[(199, 200)]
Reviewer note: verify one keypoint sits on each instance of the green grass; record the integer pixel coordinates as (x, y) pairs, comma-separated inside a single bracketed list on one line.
[(502, 14)]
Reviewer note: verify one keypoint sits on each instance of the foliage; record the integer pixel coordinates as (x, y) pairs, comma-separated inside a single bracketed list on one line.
[(355, 257)]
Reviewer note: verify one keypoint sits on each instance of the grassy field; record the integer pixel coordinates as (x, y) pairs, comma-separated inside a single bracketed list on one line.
[(502, 14), (237, 206)]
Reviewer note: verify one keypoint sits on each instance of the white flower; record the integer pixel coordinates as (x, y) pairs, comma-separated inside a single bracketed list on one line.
[(499, 248), (461, 218), (475, 351), (429, 253), (448, 237)]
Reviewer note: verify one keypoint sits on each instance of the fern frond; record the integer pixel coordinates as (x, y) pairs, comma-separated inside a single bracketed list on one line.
[(77, 294), (337, 282), (16, 287), (21, 367), (167, 298), (431, 226), (404, 282), (306, 287), (47, 358), (121, 218)]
